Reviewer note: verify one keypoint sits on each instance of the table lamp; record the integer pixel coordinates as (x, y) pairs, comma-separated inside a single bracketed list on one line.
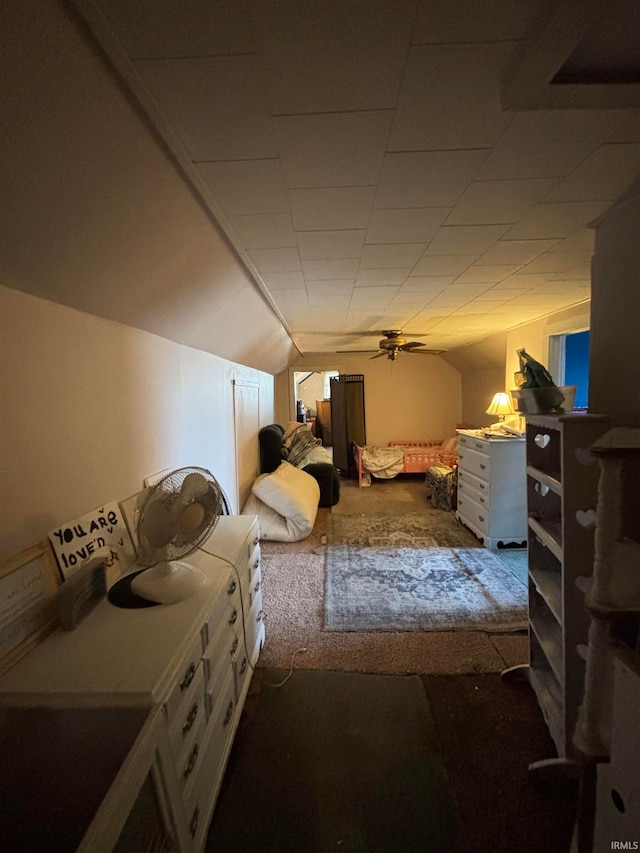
[(501, 405)]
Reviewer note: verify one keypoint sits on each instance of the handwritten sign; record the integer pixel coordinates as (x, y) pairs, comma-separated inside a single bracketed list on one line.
[(28, 605), (102, 532)]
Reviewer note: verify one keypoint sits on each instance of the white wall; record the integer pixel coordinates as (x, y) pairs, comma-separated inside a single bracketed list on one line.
[(411, 398), (90, 407)]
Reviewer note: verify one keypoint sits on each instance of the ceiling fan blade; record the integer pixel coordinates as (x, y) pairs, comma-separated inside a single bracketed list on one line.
[(379, 355), (425, 351), (410, 345)]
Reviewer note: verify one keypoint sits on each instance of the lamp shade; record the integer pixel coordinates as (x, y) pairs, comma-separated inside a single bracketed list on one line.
[(500, 405)]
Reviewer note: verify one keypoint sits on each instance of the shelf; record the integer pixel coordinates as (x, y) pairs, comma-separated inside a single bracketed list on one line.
[(547, 537), (549, 587), (542, 682), (546, 479), (549, 635)]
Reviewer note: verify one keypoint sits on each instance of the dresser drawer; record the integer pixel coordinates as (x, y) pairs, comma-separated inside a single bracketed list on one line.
[(254, 626), (475, 462), (470, 483), (227, 610), (476, 514), (187, 673), (188, 715), (478, 497), (218, 733)]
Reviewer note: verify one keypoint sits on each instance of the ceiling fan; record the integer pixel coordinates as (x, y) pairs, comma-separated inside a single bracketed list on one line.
[(392, 344)]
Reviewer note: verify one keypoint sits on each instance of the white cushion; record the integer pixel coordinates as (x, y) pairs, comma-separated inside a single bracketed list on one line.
[(288, 503)]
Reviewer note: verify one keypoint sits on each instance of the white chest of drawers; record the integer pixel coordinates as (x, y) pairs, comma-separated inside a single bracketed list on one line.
[(492, 488), (188, 663)]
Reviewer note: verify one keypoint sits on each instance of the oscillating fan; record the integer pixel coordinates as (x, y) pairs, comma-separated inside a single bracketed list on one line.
[(176, 516)]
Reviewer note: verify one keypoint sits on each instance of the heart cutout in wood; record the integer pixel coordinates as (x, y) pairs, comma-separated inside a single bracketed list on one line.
[(542, 439), (586, 518), (541, 489), (584, 456)]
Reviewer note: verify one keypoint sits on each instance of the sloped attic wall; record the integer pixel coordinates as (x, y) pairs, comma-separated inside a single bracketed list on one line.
[(96, 216)]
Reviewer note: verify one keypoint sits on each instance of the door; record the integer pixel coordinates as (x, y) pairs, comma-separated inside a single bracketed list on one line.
[(246, 413)]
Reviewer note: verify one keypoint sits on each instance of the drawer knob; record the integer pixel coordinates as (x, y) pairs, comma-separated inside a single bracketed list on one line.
[(232, 588), (256, 587), (188, 676), (256, 564), (481, 517), (188, 770), (481, 485), (482, 466), (234, 647), (234, 617), (243, 668), (191, 718), (256, 540), (260, 616), (229, 714)]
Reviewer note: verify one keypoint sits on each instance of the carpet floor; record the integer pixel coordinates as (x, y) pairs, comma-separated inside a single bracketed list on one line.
[(336, 761)]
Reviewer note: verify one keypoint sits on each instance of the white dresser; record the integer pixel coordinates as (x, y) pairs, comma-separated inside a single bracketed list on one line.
[(492, 488), (188, 664)]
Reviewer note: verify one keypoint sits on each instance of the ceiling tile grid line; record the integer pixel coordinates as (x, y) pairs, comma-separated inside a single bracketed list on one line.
[(361, 156)]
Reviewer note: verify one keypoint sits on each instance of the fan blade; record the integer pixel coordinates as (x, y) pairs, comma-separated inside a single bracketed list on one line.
[(379, 355), (425, 351), (410, 345)]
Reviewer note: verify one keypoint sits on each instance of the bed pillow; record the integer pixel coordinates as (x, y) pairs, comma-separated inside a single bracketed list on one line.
[(450, 443)]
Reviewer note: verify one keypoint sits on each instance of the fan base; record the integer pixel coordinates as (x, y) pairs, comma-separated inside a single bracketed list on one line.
[(168, 583)]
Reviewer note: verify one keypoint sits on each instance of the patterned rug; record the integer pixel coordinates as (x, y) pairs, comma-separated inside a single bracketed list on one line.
[(416, 573)]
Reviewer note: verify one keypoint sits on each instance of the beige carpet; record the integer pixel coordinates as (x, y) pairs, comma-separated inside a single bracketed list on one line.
[(293, 589)]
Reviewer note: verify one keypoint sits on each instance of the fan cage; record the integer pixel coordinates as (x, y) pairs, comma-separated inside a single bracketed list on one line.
[(170, 486)]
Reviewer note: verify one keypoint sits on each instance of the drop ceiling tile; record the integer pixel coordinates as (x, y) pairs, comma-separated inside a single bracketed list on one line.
[(467, 291), (330, 56), (331, 286), (465, 239), (283, 280), (276, 260), (415, 298), (485, 273), (373, 295), (496, 202), (432, 282), (438, 22), (545, 144), (388, 255), (246, 186), (443, 264), (341, 268), (559, 262), (331, 209), (514, 251), (376, 278), (323, 304), (426, 178), (522, 282), (581, 240), (217, 105), (332, 149), (151, 29), (556, 220), (264, 231), (607, 174), (413, 225), (450, 97), (320, 245)]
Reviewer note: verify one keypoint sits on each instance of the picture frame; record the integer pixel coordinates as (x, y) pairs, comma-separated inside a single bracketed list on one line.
[(29, 584)]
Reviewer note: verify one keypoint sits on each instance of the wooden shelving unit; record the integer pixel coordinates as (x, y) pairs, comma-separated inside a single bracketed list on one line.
[(562, 482)]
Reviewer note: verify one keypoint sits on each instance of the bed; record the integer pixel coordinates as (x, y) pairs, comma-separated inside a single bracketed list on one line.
[(403, 457)]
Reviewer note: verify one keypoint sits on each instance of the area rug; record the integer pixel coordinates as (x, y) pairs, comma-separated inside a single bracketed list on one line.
[(330, 761), (396, 574)]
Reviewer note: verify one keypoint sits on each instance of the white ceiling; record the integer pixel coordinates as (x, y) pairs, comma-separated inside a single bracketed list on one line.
[(358, 155)]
